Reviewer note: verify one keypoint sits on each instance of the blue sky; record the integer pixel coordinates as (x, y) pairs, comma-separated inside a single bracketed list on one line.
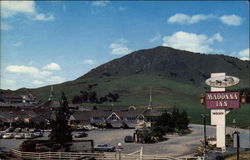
[(45, 43)]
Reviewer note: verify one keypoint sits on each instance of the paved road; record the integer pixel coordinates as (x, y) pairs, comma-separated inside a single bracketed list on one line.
[(176, 145)]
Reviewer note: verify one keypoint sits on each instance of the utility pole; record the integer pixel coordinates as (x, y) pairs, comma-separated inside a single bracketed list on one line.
[(204, 115), (205, 133)]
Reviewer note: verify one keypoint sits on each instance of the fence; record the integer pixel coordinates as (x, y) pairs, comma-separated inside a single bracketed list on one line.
[(97, 156)]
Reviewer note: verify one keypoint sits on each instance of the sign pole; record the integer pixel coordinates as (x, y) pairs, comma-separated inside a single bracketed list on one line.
[(220, 102), (220, 120), (205, 135)]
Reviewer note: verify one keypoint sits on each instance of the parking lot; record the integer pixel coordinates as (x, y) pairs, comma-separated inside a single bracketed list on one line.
[(175, 145)]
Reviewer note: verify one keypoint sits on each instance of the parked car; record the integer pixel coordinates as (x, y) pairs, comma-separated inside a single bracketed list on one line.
[(29, 135), (105, 148), (11, 129), (80, 129), (19, 136), (81, 135), (128, 139), (38, 134), (32, 130), (17, 130), (8, 135), (25, 129), (1, 134)]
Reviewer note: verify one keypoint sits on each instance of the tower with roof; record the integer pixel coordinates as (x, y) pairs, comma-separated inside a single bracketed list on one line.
[(150, 105), (51, 97)]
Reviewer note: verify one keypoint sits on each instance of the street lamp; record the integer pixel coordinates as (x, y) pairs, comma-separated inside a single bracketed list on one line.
[(202, 101), (243, 98), (236, 133), (119, 149)]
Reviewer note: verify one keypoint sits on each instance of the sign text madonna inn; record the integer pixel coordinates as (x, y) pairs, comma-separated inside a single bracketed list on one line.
[(222, 100)]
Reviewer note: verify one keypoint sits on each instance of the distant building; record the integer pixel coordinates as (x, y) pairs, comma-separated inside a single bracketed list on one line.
[(128, 118), (13, 115), (115, 118), (29, 99), (12, 98), (80, 118)]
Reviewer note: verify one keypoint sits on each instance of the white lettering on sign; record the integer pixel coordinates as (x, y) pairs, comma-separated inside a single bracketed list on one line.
[(222, 99), (218, 96), (221, 103)]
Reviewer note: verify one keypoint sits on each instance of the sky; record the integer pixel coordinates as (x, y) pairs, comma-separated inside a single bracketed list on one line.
[(45, 43)]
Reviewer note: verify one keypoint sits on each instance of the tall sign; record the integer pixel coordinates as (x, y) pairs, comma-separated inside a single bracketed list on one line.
[(219, 102)]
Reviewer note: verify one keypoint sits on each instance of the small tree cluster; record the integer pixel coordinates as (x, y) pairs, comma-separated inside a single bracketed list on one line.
[(167, 123), (110, 97), (170, 122), (91, 97)]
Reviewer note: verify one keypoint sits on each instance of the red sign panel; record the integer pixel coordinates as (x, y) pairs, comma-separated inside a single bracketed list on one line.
[(222, 100)]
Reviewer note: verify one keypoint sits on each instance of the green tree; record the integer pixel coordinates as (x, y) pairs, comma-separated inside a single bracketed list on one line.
[(61, 131), (184, 120), (65, 105), (171, 122)]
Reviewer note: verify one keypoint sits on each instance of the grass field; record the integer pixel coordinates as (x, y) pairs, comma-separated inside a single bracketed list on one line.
[(134, 91)]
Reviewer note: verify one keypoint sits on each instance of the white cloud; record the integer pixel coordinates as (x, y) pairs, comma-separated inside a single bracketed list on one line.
[(155, 38), (32, 71), (180, 18), (216, 37), (100, 3), (119, 47), (21, 69), (191, 41), (43, 17), (52, 66), (17, 44), (244, 54), (5, 26), (37, 82), (89, 61), (11, 8), (245, 58), (56, 79), (186, 19), (232, 20), (27, 8), (17, 76)]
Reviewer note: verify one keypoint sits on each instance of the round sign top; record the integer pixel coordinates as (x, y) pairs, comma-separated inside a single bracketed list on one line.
[(222, 81)]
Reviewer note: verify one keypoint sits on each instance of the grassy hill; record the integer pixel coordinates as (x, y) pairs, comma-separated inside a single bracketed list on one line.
[(176, 77)]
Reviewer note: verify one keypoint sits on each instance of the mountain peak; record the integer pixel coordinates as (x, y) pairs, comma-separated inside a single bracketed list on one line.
[(170, 63)]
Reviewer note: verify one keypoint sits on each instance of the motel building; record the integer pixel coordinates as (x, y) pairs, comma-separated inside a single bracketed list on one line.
[(126, 118)]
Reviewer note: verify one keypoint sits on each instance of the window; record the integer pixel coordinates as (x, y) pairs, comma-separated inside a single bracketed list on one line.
[(131, 118)]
